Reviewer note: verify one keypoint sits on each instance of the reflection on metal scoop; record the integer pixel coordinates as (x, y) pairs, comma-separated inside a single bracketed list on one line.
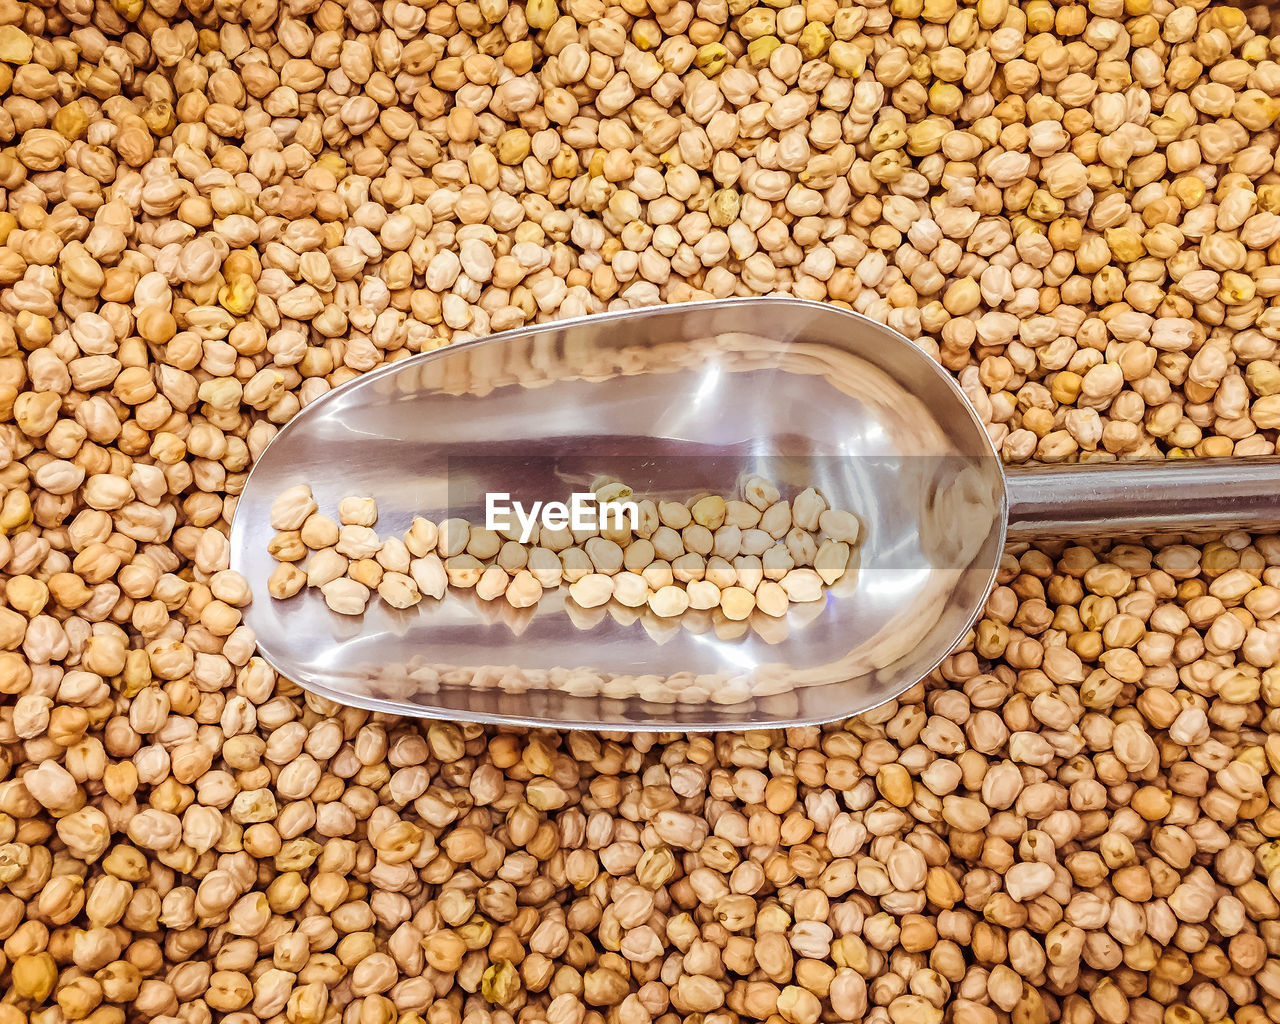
[(679, 400)]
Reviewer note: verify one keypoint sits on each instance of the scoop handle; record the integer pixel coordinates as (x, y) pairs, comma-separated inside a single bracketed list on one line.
[(1120, 499)]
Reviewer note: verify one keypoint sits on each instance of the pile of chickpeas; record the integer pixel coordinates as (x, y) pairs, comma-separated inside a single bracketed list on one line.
[(214, 212), (731, 558)]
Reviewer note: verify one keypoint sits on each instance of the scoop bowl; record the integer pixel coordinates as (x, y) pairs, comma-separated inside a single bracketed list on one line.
[(674, 401)]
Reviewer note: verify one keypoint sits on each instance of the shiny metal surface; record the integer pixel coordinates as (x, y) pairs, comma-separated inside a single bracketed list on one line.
[(679, 400), (1123, 499), (674, 400)]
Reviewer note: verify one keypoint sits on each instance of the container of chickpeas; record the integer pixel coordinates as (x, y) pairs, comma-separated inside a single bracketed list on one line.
[(212, 214)]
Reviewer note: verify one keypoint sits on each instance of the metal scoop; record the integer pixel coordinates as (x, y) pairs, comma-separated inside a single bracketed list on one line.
[(678, 401)]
